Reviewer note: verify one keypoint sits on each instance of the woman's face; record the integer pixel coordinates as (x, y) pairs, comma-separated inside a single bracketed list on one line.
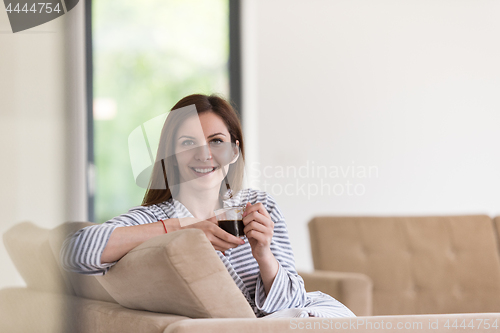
[(203, 151)]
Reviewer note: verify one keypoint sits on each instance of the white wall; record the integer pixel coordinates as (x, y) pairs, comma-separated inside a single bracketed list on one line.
[(42, 129), (409, 88)]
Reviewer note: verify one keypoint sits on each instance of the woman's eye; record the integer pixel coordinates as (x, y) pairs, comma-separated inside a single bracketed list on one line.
[(216, 142), (187, 143)]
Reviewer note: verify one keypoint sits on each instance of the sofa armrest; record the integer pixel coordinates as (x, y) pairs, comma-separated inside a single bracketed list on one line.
[(354, 290)]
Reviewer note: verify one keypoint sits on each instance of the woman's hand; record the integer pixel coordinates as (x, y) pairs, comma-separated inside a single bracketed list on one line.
[(259, 230), (220, 239)]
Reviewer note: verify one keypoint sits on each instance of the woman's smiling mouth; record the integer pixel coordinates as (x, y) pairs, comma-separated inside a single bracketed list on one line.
[(204, 170)]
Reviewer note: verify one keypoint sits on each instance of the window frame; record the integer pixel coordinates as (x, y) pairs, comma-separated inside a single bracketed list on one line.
[(235, 88)]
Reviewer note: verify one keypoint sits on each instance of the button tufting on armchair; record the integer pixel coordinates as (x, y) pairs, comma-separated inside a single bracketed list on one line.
[(418, 265)]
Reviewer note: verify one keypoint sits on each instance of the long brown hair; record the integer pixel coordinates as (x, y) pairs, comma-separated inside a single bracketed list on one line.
[(166, 169)]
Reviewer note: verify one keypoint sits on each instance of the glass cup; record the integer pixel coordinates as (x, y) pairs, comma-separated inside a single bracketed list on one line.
[(231, 220)]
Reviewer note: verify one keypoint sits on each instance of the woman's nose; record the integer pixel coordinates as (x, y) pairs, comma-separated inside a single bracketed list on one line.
[(203, 153)]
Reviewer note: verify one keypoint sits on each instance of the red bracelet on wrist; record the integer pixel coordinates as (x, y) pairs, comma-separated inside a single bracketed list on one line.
[(164, 227)]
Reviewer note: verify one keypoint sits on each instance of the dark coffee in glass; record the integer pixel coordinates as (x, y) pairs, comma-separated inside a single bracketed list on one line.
[(234, 227)]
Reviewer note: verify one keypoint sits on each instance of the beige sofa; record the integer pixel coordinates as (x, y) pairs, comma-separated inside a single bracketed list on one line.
[(167, 279), (418, 265), (172, 283)]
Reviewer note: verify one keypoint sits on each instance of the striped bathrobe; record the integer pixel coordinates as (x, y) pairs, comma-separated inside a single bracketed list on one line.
[(82, 251)]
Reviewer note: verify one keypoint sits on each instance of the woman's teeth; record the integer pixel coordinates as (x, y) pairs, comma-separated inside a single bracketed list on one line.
[(204, 170)]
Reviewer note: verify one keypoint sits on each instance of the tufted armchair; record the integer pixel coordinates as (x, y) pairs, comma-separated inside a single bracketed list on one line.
[(418, 265)]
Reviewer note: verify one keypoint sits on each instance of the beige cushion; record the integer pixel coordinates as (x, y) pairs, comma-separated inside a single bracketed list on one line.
[(81, 285), (444, 264), (177, 273), (29, 249)]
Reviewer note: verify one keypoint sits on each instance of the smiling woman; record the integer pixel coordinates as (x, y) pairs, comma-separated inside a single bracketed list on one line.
[(198, 169)]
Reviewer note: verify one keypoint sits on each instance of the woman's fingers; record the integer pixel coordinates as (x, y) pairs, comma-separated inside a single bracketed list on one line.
[(221, 245), (259, 237), (258, 217), (259, 229), (259, 233), (255, 226), (258, 207), (219, 239), (227, 237)]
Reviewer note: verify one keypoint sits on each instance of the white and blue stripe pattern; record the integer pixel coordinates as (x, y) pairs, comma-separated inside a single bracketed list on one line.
[(82, 252)]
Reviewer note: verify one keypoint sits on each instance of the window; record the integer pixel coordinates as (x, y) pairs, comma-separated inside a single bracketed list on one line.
[(146, 56)]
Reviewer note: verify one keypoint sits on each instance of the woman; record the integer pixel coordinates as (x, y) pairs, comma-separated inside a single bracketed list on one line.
[(198, 169)]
